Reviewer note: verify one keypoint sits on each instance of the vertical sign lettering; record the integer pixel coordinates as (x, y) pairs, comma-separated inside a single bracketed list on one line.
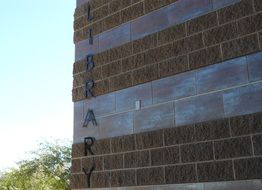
[(90, 117)]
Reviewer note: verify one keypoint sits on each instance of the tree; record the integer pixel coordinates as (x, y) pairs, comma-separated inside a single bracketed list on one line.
[(48, 169)]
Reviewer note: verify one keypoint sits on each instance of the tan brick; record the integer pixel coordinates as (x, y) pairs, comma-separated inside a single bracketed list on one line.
[(145, 74), (101, 87), (205, 57), (132, 12), (220, 34), (133, 62), (173, 66), (202, 23), (100, 13), (250, 24), (111, 21), (239, 47), (121, 81), (111, 69), (171, 34), (151, 5), (145, 43), (235, 11)]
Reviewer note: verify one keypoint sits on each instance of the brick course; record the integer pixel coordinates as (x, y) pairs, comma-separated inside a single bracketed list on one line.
[(174, 155), (107, 15)]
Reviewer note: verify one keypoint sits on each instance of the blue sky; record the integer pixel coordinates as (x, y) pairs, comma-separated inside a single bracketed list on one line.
[(36, 58)]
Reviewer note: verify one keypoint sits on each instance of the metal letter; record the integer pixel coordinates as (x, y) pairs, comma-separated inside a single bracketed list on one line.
[(88, 174), (88, 91), (89, 141), (90, 36), (89, 17), (90, 63), (90, 116)]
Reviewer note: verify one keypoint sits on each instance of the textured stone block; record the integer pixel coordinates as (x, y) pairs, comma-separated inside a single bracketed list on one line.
[(171, 34), (205, 57), (175, 87), (111, 21), (179, 135), (243, 100), (150, 176), (250, 168), (100, 13), (78, 150), (120, 81), (145, 74), (149, 139), (123, 143), (149, 24), (78, 181), (257, 143), (212, 130), (258, 5), (76, 166), (215, 171), (164, 156), (100, 179), (250, 24), (217, 77), (159, 54), (173, 66), (123, 178), (220, 34), (151, 5), (126, 99), (120, 52), (111, 69), (218, 4), (89, 162), (187, 9), (145, 43), (202, 23), (240, 47), (232, 148), (246, 124), (116, 125), (254, 62), (101, 87), (157, 117), (180, 174), (136, 159), (235, 11), (133, 62), (198, 109), (132, 12), (197, 152), (113, 162), (101, 147), (195, 42)]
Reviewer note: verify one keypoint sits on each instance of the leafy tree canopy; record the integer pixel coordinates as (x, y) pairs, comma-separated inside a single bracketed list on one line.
[(48, 169)]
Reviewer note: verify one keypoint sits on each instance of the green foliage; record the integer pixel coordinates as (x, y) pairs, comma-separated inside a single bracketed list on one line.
[(48, 169)]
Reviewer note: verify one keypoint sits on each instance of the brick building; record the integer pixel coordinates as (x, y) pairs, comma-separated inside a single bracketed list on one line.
[(170, 94)]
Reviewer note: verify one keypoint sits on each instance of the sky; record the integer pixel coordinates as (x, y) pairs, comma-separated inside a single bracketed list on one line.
[(36, 61)]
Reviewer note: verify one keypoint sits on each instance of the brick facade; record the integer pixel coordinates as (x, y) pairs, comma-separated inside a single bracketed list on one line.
[(177, 94)]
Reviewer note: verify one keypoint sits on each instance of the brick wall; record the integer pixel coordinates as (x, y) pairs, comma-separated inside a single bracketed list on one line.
[(199, 42), (194, 69), (221, 150)]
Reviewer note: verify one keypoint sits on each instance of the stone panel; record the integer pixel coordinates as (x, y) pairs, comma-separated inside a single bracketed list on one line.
[(156, 117)]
